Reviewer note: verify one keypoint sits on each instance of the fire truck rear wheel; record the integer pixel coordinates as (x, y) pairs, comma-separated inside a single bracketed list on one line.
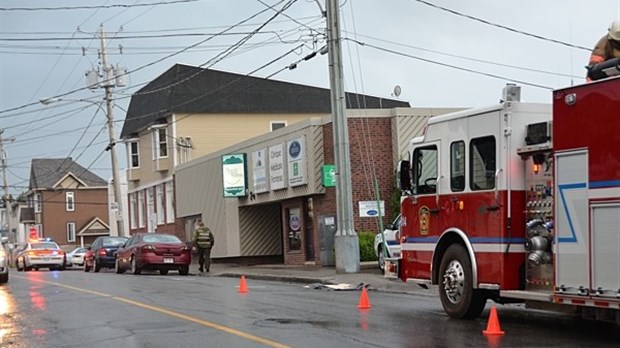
[(458, 297)]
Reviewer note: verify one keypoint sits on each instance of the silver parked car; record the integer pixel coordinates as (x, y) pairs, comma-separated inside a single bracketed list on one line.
[(4, 262), (76, 257)]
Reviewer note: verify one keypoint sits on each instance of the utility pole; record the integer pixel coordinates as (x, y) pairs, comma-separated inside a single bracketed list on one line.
[(109, 81), (346, 241), (7, 197)]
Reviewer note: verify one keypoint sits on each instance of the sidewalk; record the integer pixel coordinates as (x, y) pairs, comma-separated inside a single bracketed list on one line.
[(369, 276)]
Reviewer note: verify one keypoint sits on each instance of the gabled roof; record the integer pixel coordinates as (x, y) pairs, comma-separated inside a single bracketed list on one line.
[(95, 227), (47, 172), (187, 89)]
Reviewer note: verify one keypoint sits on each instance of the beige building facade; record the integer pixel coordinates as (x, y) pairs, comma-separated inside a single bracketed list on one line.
[(287, 214)]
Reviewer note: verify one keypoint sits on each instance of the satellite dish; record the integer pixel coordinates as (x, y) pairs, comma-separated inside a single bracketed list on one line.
[(397, 91)]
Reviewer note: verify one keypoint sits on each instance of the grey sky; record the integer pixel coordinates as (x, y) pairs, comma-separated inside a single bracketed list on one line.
[(401, 38)]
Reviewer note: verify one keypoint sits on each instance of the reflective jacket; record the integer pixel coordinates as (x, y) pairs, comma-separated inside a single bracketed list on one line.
[(604, 50), (203, 238)]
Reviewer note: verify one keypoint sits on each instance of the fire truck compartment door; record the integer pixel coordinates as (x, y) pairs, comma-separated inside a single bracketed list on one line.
[(605, 228), (572, 244)]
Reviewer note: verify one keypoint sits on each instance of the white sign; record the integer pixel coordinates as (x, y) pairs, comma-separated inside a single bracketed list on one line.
[(296, 162), (276, 167), (259, 166), (234, 175), (369, 208)]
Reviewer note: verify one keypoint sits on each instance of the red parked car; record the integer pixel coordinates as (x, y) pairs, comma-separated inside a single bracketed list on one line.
[(153, 251)]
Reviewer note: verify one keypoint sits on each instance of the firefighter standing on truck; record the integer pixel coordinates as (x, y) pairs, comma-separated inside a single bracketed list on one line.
[(608, 47)]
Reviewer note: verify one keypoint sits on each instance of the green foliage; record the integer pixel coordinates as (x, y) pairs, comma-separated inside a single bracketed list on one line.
[(366, 241)]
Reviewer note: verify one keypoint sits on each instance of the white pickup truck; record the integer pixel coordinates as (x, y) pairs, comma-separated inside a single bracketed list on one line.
[(391, 236)]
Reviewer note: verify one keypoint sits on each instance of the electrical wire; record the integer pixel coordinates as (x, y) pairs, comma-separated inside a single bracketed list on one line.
[(450, 66), (502, 26), (93, 7)]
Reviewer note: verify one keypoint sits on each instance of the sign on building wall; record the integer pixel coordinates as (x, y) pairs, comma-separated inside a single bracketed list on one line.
[(328, 174), (369, 208), (276, 167), (296, 150), (234, 175), (259, 170)]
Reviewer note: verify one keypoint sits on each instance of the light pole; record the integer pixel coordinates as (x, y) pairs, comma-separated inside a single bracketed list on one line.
[(115, 173)]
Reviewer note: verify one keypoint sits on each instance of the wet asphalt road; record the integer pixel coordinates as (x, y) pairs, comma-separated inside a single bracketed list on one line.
[(77, 309)]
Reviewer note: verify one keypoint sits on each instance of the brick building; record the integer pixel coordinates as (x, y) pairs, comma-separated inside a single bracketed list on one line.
[(69, 203), (285, 212)]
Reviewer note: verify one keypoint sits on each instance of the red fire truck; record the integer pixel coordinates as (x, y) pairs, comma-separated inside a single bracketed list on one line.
[(518, 202)]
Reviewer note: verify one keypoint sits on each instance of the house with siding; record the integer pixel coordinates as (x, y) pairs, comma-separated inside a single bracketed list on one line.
[(189, 112), (69, 202)]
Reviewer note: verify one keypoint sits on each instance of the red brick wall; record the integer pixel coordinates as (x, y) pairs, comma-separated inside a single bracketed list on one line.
[(370, 148)]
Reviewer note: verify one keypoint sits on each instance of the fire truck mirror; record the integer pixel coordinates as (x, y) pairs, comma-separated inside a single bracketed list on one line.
[(404, 176)]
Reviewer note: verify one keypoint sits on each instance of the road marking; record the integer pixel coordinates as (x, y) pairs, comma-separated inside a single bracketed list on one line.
[(171, 313)]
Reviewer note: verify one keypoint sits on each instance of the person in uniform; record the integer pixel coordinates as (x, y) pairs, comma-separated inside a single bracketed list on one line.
[(203, 241)]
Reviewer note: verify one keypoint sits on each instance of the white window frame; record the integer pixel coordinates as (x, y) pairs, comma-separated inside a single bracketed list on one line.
[(70, 232), (159, 142), (37, 203), (133, 211), (160, 202), (70, 201), (170, 202), (141, 209), (272, 123), (131, 154)]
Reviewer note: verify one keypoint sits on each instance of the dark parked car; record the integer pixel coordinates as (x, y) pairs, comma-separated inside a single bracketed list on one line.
[(153, 251), (102, 254)]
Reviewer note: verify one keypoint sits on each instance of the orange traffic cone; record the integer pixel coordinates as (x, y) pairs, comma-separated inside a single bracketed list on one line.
[(364, 302), (493, 327), (243, 288)]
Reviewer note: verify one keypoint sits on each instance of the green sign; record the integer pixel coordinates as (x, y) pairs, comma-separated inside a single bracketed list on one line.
[(234, 175), (329, 175)]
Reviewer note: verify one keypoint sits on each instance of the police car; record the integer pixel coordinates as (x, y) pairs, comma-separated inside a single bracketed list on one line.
[(41, 253)]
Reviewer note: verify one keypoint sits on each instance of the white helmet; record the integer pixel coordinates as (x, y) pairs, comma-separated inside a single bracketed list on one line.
[(614, 30)]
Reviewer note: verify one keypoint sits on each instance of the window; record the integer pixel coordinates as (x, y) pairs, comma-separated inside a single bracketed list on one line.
[(37, 203), (159, 193), (184, 148), (457, 166), (160, 143), (70, 201), (169, 202), (482, 163), (141, 209), (277, 125), (70, 232), (133, 203), (134, 155), (425, 170)]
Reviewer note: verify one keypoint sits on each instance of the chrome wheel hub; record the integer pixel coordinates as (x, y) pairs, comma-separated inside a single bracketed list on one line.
[(454, 281)]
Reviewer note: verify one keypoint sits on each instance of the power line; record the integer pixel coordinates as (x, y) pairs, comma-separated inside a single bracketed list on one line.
[(449, 66), (503, 26), (92, 7), (468, 58)]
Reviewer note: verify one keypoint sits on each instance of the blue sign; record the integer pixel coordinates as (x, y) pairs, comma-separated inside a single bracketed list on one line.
[(372, 212), (294, 149)]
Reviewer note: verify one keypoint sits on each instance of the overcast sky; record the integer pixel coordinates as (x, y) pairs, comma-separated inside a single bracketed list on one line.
[(417, 45)]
